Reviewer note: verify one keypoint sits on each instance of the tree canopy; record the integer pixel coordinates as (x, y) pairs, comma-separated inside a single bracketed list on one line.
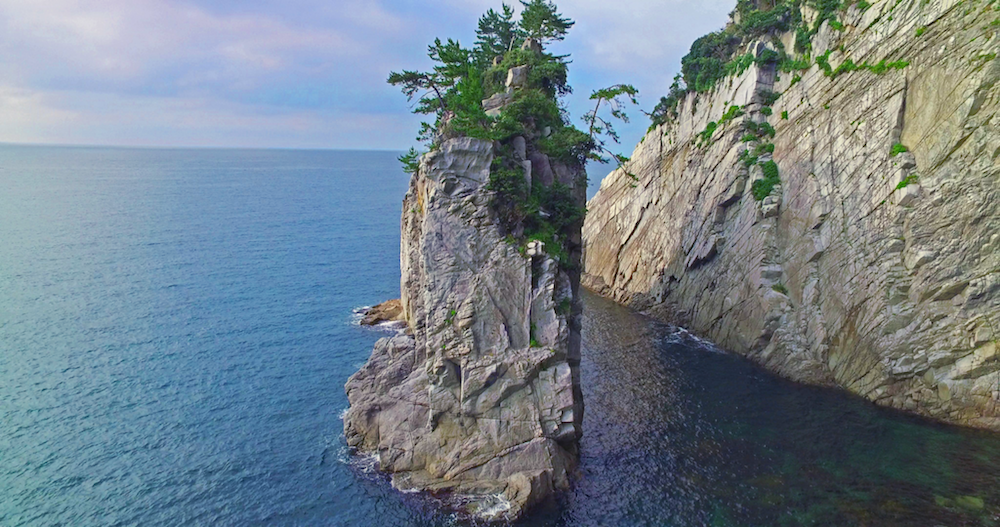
[(497, 34), (541, 21)]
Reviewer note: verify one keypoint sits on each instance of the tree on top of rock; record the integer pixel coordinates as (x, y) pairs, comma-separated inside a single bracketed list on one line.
[(541, 22), (497, 34), (432, 87)]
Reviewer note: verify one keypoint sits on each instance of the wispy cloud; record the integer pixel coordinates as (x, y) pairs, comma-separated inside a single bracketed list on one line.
[(294, 73)]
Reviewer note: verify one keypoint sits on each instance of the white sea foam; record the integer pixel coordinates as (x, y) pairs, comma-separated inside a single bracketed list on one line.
[(358, 314), (683, 336), (493, 507)]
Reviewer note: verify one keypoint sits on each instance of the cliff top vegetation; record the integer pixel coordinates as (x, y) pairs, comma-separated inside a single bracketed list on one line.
[(714, 56), (465, 83)]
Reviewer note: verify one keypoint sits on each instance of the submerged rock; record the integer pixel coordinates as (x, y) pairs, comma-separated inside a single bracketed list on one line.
[(481, 396)]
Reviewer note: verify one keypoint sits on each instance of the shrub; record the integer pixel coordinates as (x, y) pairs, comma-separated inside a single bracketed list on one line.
[(410, 161), (910, 178), (705, 62), (784, 115), (897, 149), (567, 144), (762, 188), (765, 148), (705, 137), (768, 98)]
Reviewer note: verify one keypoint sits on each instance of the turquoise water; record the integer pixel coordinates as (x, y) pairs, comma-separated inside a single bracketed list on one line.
[(176, 327)]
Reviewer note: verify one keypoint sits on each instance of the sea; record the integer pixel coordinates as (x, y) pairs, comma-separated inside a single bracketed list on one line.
[(176, 327)]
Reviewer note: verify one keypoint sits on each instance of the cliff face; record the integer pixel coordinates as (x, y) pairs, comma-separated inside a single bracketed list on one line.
[(866, 267), (481, 396)]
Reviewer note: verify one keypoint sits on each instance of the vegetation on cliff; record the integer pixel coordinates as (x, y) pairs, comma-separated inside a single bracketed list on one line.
[(508, 88), (714, 56)]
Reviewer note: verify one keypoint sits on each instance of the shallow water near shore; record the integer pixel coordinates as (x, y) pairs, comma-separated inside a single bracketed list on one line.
[(176, 327)]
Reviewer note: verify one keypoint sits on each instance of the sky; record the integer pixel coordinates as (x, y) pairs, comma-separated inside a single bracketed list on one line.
[(290, 73)]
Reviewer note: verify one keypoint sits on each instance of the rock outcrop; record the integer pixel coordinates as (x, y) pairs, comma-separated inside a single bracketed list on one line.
[(480, 396), (875, 263), (388, 311)]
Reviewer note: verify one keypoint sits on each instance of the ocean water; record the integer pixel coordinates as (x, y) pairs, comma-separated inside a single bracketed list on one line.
[(176, 327)]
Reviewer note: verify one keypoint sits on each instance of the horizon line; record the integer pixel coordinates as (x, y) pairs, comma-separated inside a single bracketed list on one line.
[(194, 147)]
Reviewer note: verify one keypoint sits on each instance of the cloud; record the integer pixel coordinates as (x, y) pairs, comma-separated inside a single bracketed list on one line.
[(190, 72)]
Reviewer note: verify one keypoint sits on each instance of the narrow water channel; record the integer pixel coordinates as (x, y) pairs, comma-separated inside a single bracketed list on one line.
[(679, 433)]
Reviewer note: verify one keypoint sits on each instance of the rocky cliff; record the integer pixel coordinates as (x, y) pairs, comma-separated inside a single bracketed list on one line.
[(867, 255), (481, 396)]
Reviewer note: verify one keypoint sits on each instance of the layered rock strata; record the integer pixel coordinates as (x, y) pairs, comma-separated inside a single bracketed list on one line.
[(481, 395), (868, 267)]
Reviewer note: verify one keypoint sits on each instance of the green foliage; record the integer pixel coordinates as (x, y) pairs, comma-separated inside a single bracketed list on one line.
[(910, 178), (705, 136), (732, 113), (567, 144), (789, 64), (823, 61), (410, 161), (759, 130), (748, 137), (740, 64), (848, 66), (835, 24), (920, 30), (845, 67), (530, 108), (764, 148), (784, 115), (756, 22), (497, 34), (564, 307), (768, 97), (803, 38), (541, 21), (897, 149), (465, 100), (748, 158), (766, 110), (461, 79), (510, 190), (667, 107), (779, 287), (704, 65), (600, 129), (762, 188), (547, 72)]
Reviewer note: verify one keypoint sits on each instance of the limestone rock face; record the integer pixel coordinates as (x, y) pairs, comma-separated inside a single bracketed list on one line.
[(481, 395), (876, 272)]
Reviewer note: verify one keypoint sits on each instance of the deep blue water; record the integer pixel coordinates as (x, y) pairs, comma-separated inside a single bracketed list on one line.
[(176, 327)]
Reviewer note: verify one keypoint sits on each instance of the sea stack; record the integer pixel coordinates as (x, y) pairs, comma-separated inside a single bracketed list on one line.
[(480, 396)]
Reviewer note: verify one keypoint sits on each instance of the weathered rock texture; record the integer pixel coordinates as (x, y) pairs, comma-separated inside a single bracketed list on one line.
[(482, 395), (388, 311), (839, 276)]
